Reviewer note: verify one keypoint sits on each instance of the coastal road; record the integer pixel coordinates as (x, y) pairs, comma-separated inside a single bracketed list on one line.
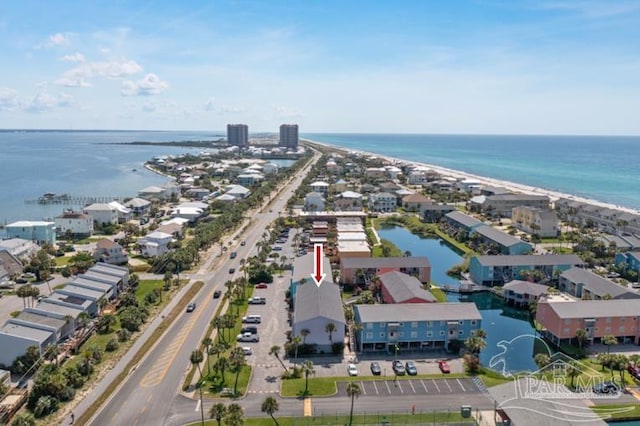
[(150, 395)]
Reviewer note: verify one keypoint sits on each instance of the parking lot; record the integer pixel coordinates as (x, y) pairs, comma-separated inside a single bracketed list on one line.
[(417, 386)]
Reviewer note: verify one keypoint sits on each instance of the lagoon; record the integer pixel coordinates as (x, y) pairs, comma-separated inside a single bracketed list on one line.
[(503, 324)]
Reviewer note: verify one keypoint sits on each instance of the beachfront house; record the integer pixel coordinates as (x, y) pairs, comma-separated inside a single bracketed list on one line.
[(357, 270), (498, 269), (587, 285), (139, 206), (124, 213), (395, 328), (535, 221), (502, 205), (102, 213), (40, 232), (561, 316), (383, 202), (77, 224)]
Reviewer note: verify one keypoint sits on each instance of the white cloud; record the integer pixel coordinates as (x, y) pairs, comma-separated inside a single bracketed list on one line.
[(286, 112), (58, 39), (210, 104), (79, 76), (8, 99), (76, 57), (149, 85), (44, 102)]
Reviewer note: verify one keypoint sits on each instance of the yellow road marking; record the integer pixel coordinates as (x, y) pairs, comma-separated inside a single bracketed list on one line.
[(634, 392), (307, 407)]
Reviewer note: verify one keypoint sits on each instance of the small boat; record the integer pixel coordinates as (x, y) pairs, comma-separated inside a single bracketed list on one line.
[(134, 170)]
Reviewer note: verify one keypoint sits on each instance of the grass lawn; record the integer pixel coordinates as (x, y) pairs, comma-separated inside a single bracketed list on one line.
[(214, 384), (145, 287), (62, 260), (618, 411), (440, 295)]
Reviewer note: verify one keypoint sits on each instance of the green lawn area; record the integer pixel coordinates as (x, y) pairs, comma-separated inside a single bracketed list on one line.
[(402, 417), (440, 295), (618, 411), (145, 287), (62, 260)]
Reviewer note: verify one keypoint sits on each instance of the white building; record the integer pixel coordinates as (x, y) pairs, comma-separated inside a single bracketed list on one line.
[(382, 202), (77, 223), (19, 247), (110, 252), (155, 244), (102, 213), (532, 220), (270, 168), (15, 339), (314, 201), (124, 213), (321, 187)]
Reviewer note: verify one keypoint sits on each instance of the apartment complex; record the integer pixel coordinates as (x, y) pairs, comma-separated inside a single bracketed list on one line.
[(238, 135), (289, 136)]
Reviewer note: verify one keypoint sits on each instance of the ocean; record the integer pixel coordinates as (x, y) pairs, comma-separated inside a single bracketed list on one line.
[(602, 168), (84, 163)]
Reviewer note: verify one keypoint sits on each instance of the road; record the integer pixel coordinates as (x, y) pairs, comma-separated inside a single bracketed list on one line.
[(150, 394)]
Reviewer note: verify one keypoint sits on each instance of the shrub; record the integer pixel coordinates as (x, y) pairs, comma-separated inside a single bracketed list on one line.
[(337, 348), (112, 345), (123, 335)]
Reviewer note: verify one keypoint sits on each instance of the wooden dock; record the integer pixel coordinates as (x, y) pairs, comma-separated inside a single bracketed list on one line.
[(73, 200), (465, 288)]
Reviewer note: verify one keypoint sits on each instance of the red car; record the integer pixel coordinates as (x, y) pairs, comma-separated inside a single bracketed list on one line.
[(444, 367), (261, 285)]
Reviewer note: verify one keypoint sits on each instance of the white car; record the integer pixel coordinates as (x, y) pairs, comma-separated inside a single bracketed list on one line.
[(247, 351), (247, 337), (352, 370)]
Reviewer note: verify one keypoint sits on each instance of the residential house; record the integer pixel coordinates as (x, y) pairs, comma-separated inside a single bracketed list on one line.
[(124, 213), (192, 214), (249, 179), (139, 206), (434, 213), (77, 224), (397, 287), (10, 266), (523, 293), (500, 241), (388, 186), (382, 202), (416, 326), (393, 172), (375, 172), (314, 201), (40, 232), (20, 248), (120, 273), (110, 252), (356, 269), (353, 249), (60, 328), (415, 202), (155, 244), (270, 168), (102, 214), (532, 220), (321, 187), (502, 205), (334, 168), (463, 222), (198, 193), (587, 285), (340, 185), (237, 191), (499, 269), (348, 201), (15, 339), (609, 220), (561, 316), (629, 260)]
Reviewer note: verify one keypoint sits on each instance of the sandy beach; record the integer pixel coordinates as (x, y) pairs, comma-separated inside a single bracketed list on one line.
[(511, 186)]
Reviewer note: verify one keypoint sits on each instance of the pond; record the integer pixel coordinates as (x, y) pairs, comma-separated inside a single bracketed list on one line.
[(510, 336)]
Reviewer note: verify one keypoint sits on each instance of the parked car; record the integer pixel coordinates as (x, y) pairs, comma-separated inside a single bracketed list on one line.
[(249, 329), (232, 270), (276, 248), (398, 368), (411, 368), (233, 255), (247, 351), (606, 388), (247, 337), (634, 371), (375, 368), (257, 301), (352, 370), (252, 319), (444, 367), (243, 243), (191, 307), (261, 285), (217, 294)]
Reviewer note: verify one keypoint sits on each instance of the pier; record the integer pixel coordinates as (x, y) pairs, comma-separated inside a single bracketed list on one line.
[(465, 288), (75, 200)]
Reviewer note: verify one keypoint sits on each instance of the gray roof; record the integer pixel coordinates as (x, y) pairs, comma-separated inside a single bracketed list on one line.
[(530, 260), (72, 300), (92, 285), (403, 287), (304, 265), (526, 287), (40, 319), (55, 309), (439, 207), (385, 262), (463, 219), (597, 308), (418, 312), (25, 332), (313, 302), (498, 236), (137, 202), (596, 284), (97, 276), (80, 292), (518, 197)]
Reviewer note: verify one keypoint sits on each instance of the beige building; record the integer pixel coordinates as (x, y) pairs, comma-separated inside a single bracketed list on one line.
[(542, 222)]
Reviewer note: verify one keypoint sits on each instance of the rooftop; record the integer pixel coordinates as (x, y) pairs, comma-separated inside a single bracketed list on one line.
[(596, 308), (530, 260), (385, 262), (25, 332), (498, 236), (464, 219), (418, 312), (324, 301), (596, 284), (527, 287), (404, 287)]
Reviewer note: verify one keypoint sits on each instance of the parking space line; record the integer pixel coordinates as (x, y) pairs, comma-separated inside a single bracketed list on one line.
[(446, 382), (435, 384), (399, 386), (386, 383), (375, 387), (424, 386), (411, 384), (364, 392), (462, 387)]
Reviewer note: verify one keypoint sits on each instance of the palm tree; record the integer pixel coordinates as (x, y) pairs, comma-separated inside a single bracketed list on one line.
[(304, 333), (105, 323), (275, 351), (218, 411), (237, 360), (296, 341), (307, 369), (581, 337), (234, 415), (83, 319), (270, 406), (573, 371), (609, 340), (353, 392), (330, 328), (196, 358), (207, 342), (102, 303), (221, 365), (542, 360)]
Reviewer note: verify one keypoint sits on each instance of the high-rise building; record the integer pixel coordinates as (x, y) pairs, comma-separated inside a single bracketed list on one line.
[(238, 134), (289, 136)]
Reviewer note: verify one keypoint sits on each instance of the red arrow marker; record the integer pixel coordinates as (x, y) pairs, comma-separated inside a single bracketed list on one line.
[(318, 275)]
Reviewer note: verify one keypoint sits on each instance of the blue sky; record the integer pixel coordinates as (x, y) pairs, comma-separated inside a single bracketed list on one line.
[(494, 66)]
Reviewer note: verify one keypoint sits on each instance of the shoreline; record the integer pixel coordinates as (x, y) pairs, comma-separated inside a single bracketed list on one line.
[(511, 186)]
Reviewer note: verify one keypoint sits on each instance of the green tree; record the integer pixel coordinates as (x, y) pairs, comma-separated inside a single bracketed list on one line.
[(196, 358), (307, 370), (581, 337), (353, 392), (237, 360), (609, 340), (275, 351), (207, 342), (23, 419), (234, 416), (572, 370), (542, 360), (304, 333), (218, 411), (221, 365), (270, 406), (330, 328), (105, 323)]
